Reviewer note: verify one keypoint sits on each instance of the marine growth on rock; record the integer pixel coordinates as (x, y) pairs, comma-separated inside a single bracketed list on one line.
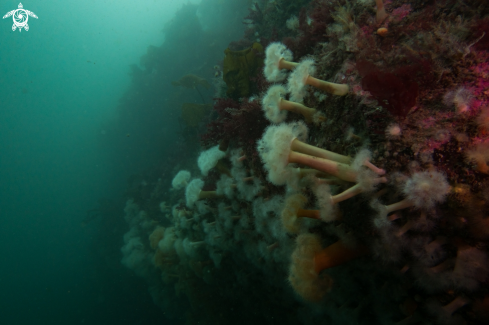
[(353, 192)]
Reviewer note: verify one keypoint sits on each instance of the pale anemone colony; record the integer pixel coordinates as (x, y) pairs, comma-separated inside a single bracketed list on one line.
[(357, 240)]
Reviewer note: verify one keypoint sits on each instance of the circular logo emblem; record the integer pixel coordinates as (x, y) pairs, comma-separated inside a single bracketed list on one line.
[(20, 17)]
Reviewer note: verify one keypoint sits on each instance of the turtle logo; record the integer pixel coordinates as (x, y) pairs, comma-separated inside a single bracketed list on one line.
[(20, 17)]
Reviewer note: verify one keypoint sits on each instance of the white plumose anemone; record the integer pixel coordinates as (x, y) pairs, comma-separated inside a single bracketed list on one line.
[(281, 146), (278, 57), (208, 159), (181, 179), (302, 76), (274, 149), (271, 104), (276, 106), (192, 192)]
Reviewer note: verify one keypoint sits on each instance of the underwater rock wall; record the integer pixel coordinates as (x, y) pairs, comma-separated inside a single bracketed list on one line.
[(350, 188)]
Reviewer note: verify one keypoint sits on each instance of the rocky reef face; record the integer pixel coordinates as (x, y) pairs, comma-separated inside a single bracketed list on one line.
[(355, 193)]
